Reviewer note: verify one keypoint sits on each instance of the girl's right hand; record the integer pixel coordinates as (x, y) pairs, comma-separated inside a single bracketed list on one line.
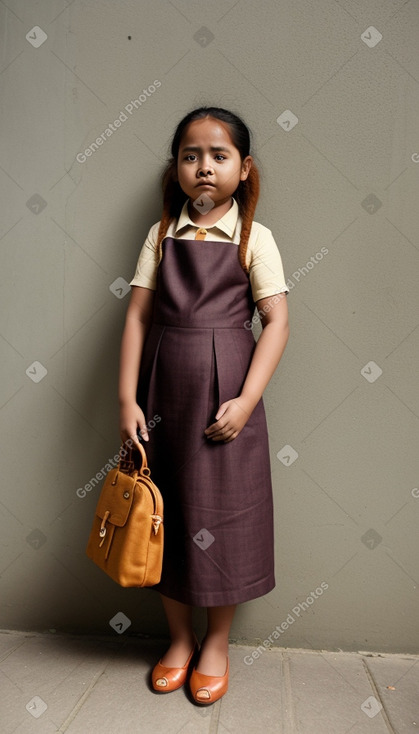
[(130, 418)]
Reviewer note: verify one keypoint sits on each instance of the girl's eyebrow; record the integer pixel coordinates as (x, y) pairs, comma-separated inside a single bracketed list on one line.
[(212, 147)]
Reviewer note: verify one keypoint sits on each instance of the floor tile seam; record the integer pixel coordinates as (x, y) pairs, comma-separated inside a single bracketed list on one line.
[(86, 694), (215, 717), (288, 720), (80, 703), (384, 713), (11, 651)]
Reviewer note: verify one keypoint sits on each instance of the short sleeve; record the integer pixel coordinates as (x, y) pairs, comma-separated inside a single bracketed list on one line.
[(266, 271), (146, 270)]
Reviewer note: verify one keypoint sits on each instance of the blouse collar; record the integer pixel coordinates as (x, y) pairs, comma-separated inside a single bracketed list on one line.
[(227, 223)]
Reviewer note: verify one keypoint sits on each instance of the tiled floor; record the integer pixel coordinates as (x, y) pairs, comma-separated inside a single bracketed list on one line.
[(97, 685)]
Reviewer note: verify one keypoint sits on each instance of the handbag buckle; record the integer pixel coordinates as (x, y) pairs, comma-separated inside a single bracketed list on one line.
[(157, 520), (102, 531)]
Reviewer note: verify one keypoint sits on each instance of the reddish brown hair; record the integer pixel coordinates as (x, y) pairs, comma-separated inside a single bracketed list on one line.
[(246, 194)]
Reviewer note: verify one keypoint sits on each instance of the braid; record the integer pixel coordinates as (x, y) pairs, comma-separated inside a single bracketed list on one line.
[(173, 199), (247, 200)]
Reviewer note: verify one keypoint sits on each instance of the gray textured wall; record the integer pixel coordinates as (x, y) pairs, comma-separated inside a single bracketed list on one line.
[(331, 92)]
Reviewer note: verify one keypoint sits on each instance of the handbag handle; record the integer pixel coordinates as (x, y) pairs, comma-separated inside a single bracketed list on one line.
[(130, 463)]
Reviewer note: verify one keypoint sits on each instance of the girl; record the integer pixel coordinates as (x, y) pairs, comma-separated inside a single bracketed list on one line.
[(188, 356)]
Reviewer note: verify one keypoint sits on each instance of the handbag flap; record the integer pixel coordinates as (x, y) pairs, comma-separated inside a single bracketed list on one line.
[(116, 497)]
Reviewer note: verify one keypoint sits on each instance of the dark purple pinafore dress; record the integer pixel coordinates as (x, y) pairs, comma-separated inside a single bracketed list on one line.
[(218, 505)]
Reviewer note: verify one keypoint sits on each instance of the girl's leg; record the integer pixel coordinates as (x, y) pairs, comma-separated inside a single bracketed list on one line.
[(179, 618), (214, 650)]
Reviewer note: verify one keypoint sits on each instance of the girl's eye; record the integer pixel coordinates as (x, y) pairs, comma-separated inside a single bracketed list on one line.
[(192, 155)]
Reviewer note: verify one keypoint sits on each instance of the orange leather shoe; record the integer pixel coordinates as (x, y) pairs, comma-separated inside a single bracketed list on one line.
[(165, 679), (208, 688)]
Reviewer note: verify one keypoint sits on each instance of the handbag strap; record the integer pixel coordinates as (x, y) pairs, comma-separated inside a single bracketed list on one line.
[(133, 459), (131, 464)]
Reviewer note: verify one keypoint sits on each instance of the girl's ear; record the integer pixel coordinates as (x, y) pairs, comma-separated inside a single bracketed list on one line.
[(246, 166)]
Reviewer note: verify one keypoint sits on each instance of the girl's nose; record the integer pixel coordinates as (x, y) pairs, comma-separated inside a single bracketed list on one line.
[(205, 169)]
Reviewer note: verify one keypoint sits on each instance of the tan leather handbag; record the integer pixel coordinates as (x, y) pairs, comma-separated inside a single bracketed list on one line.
[(126, 540)]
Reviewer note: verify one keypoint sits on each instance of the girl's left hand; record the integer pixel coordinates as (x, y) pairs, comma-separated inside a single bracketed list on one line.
[(230, 419)]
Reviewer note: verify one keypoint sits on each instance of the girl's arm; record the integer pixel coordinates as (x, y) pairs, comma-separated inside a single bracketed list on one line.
[(269, 348), (137, 324), (233, 414)]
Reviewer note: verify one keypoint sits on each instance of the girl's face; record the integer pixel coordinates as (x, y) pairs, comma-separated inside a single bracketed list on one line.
[(209, 162)]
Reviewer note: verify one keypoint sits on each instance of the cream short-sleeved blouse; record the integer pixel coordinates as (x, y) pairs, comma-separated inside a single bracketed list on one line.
[(266, 272)]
